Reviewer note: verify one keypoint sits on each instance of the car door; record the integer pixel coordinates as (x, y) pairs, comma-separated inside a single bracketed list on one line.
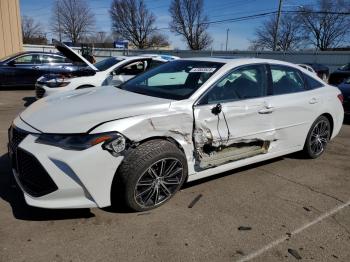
[(293, 106), (25, 70), (232, 119)]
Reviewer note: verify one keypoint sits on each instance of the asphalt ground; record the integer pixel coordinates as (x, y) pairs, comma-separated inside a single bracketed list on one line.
[(285, 209)]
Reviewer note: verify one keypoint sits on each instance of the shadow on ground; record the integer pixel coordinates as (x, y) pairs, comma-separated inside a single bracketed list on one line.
[(28, 100), (10, 192)]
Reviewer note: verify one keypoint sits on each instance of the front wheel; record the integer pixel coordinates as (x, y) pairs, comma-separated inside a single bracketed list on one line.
[(317, 138), (151, 174)]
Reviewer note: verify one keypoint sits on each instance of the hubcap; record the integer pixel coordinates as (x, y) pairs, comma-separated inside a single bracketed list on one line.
[(319, 137), (159, 182)]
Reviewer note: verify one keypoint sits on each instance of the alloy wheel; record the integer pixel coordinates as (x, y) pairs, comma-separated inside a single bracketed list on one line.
[(319, 137), (159, 182)]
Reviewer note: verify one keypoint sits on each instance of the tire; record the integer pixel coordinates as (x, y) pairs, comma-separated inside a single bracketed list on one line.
[(317, 138), (144, 181)]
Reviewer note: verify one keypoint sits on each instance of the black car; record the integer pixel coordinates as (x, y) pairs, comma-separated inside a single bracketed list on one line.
[(345, 90), (321, 70), (23, 69), (341, 74)]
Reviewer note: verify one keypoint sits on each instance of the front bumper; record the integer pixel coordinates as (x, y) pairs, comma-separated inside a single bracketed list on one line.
[(83, 179)]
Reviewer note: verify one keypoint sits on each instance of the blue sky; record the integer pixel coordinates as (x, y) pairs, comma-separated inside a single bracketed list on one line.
[(239, 35)]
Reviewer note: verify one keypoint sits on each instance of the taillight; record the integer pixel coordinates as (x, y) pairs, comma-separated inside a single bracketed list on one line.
[(341, 98)]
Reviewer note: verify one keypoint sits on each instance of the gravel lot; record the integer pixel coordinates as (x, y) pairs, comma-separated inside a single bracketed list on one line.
[(279, 210)]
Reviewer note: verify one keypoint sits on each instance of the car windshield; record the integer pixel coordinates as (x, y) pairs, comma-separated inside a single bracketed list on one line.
[(174, 80), (107, 63)]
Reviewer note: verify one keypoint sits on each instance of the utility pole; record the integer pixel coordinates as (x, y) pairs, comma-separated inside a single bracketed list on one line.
[(277, 25), (227, 30)]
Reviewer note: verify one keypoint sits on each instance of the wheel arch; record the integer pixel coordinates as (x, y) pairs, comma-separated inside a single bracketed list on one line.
[(331, 121), (115, 192), (84, 86)]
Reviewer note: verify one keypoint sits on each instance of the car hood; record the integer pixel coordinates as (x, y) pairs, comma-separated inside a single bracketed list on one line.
[(72, 55), (81, 110)]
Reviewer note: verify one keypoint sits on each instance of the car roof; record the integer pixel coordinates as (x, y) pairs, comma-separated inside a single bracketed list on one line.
[(37, 52), (239, 61)]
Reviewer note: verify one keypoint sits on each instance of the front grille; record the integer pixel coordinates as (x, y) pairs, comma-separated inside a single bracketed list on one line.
[(39, 92), (32, 175), (16, 136)]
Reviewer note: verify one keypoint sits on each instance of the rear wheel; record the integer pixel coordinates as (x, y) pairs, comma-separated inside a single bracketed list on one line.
[(318, 137), (151, 174)]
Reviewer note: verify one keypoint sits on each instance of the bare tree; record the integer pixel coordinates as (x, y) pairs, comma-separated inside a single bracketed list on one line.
[(31, 30), (133, 21), (189, 21), (289, 36), (326, 29), (158, 40), (72, 18)]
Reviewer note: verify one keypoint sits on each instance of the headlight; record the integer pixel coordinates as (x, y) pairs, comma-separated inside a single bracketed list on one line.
[(112, 141), (60, 82)]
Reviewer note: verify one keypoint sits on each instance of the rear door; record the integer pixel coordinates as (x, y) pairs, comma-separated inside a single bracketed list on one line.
[(232, 120), (293, 106)]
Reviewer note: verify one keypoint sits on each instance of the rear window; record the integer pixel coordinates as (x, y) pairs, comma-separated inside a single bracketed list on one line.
[(311, 82)]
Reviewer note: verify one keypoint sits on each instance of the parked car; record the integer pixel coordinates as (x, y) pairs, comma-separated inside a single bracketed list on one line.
[(308, 68), (23, 69), (345, 89), (110, 71), (341, 74), (321, 70), (181, 121)]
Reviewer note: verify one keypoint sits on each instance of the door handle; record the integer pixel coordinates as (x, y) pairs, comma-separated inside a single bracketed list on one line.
[(266, 111), (35, 67), (313, 101)]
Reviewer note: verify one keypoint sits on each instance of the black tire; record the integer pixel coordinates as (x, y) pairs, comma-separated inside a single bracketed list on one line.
[(136, 168), (314, 142)]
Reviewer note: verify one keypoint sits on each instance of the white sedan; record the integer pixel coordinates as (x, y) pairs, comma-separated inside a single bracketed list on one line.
[(110, 71), (182, 121)]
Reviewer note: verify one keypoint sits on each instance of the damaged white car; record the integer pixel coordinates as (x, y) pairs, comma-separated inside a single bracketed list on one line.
[(179, 122)]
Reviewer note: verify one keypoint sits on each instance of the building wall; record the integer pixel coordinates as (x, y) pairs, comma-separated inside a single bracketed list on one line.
[(10, 27)]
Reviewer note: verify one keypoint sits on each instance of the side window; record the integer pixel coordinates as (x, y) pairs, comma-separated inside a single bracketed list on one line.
[(154, 63), (47, 59), (312, 83), (286, 80), (27, 60), (134, 68), (243, 83)]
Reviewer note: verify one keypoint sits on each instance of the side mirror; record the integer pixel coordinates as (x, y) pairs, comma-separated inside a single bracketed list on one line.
[(216, 109)]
